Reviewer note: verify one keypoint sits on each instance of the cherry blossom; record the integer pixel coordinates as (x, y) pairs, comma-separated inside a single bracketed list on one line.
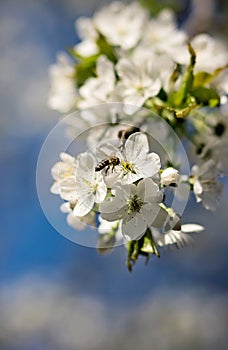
[(136, 205)]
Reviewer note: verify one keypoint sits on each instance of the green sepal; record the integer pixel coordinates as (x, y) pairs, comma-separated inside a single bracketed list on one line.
[(178, 99), (145, 246), (130, 249), (149, 245)]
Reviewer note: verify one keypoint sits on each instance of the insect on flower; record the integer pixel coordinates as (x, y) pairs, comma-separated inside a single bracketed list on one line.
[(123, 135), (107, 163)]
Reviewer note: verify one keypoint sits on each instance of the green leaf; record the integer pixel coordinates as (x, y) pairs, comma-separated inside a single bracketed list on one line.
[(155, 6), (206, 96), (201, 79), (205, 78), (106, 49), (178, 98), (85, 69)]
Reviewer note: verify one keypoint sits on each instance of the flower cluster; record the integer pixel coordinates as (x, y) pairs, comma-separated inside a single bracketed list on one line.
[(129, 63), (125, 187)]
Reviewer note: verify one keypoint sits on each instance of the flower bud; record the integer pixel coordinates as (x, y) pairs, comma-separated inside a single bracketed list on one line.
[(169, 176)]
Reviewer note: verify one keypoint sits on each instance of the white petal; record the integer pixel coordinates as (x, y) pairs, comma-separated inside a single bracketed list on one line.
[(152, 165), (101, 192), (86, 48), (86, 163), (198, 189), (106, 150), (161, 219), (65, 208), (114, 215), (55, 188), (153, 215), (126, 70), (151, 191), (67, 189), (67, 158), (136, 146), (174, 237), (188, 228), (105, 69), (83, 207), (75, 222), (133, 103), (154, 89), (134, 226)]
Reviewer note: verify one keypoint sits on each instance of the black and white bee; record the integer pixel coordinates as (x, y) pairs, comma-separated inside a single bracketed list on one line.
[(108, 163)]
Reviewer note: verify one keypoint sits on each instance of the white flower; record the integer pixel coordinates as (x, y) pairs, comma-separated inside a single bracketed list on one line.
[(135, 160), (163, 70), (86, 31), (90, 186), (122, 25), (206, 188), (77, 222), (63, 92), (210, 53), (64, 174), (100, 89), (137, 83), (169, 176), (137, 207), (180, 238), (162, 36)]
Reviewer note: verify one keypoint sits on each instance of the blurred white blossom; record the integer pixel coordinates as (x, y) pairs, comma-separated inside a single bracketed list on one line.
[(63, 92), (206, 187), (64, 174), (100, 89), (127, 23), (180, 238)]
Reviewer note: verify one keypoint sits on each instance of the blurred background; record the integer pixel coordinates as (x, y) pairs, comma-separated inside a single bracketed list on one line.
[(57, 295)]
